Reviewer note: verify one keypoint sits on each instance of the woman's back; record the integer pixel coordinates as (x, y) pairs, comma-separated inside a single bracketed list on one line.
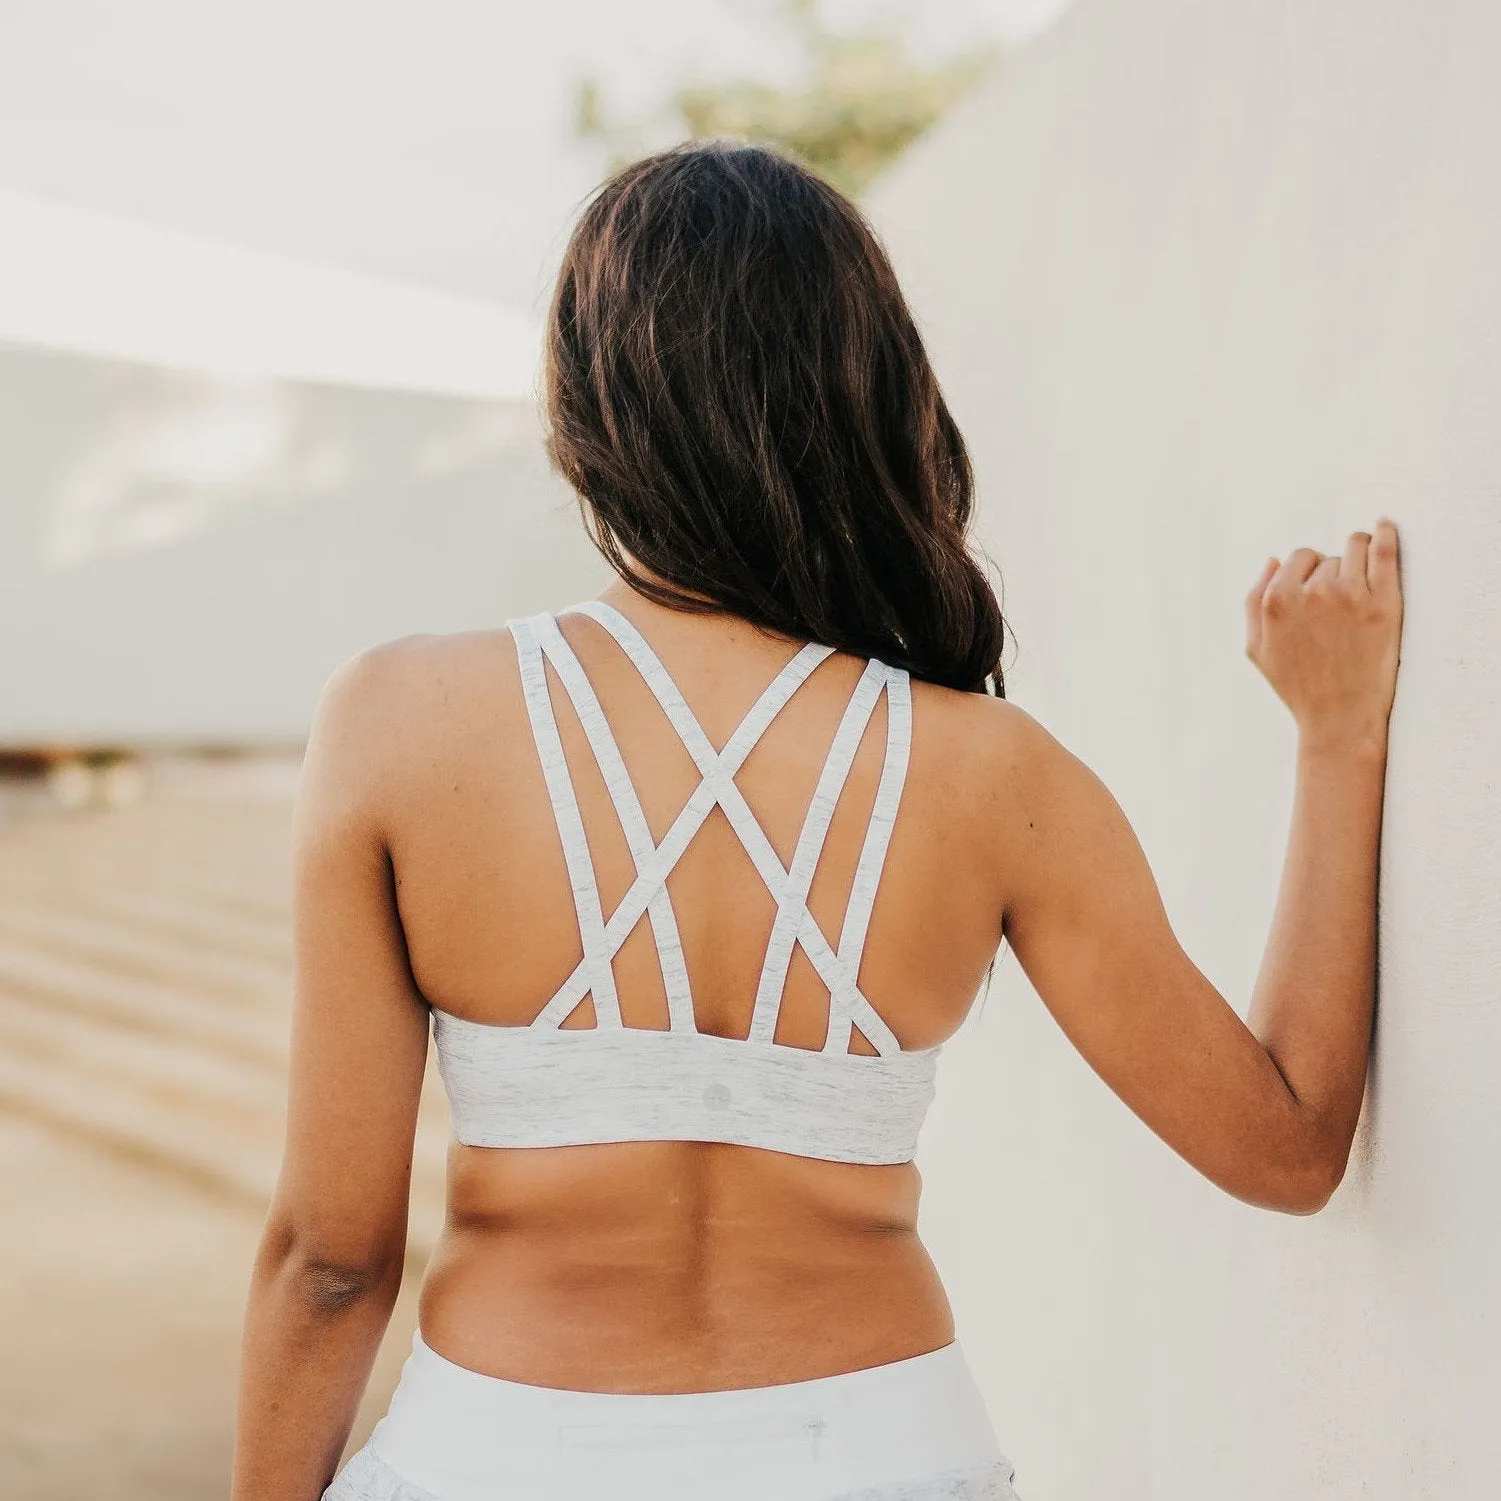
[(719, 1216), (677, 1265)]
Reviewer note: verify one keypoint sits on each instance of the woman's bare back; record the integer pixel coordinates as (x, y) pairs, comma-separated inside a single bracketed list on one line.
[(429, 873), (670, 1266)]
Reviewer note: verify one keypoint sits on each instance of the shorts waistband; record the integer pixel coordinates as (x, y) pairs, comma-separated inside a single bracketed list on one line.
[(458, 1433)]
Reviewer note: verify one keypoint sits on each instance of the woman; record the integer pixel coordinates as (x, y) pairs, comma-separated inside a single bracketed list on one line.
[(693, 881)]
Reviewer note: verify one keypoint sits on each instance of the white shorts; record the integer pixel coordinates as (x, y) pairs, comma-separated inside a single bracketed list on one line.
[(910, 1430)]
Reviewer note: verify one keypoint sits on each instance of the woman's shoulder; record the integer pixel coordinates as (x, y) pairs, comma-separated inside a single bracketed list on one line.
[(996, 757), (418, 662), (416, 701), (995, 734)]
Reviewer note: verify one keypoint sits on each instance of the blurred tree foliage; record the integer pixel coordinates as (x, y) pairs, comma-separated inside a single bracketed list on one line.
[(862, 100)]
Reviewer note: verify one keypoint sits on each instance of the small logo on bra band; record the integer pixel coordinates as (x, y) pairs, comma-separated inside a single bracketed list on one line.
[(717, 1096)]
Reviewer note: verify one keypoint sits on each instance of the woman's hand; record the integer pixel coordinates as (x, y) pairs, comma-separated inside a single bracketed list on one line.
[(1324, 631), (1266, 1110)]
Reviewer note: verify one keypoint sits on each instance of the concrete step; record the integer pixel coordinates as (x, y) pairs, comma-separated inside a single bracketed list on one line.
[(257, 1035), (195, 924), (145, 985), (122, 946), (236, 859), (216, 1123), (114, 1115), (172, 1069)]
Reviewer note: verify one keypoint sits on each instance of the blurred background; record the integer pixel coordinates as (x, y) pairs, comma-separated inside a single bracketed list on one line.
[(271, 284), (1203, 281)]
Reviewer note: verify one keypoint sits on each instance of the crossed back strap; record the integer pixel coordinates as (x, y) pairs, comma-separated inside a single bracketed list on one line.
[(538, 641)]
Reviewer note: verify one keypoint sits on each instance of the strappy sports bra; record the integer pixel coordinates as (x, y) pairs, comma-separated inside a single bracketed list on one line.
[(541, 1085)]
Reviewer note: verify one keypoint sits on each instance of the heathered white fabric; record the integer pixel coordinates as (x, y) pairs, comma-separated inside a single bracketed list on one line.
[(367, 1477), (524, 1087), (540, 1085), (908, 1430)]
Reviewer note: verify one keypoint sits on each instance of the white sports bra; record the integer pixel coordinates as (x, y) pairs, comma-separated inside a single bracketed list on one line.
[(541, 1085)]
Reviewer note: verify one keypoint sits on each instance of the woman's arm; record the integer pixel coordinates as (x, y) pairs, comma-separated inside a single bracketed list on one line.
[(1267, 1111), (331, 1256)]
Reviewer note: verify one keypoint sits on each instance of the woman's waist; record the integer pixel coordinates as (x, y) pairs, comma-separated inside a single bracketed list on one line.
[(678, 1188), (632, 1315)]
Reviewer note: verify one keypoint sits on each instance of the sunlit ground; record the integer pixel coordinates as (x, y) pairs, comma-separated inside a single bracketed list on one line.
[(144, 999)]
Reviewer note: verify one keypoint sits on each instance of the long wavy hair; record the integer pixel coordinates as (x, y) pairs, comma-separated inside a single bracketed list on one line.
[(738, 394)]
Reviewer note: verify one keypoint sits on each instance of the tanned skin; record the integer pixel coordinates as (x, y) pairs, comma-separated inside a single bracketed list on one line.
[(428, 871)]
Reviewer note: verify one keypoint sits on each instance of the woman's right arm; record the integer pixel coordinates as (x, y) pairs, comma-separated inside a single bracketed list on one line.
[(1266, 1110)]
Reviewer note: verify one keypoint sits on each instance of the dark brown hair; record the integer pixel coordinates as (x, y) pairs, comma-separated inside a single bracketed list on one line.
[(737, 392)]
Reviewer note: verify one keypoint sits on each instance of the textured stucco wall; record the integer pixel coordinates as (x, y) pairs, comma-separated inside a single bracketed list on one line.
[(1207, 281)]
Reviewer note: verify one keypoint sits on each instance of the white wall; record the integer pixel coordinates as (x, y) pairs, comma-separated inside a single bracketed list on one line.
[(1207, 281), (185, 558)]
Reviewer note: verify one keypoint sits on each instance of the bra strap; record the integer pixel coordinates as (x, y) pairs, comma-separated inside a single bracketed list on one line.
[(793, 900), (654, 868), (719, 780), (628, 809), (598, 955), (847, 1006)]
